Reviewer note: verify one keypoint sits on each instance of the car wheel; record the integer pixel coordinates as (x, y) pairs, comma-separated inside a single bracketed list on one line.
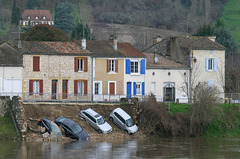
[(111, 119), (100, 131)]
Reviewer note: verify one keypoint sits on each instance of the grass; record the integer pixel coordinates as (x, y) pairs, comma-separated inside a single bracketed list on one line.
[(231, 18), (178, 108), (7, 129)]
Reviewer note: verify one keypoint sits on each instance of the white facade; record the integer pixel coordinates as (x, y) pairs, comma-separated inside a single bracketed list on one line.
[(10, 80), (159, 80)]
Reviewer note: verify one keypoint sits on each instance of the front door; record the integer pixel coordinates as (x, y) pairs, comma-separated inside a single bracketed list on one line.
[(129, 89), (112, 88), (54, 89), (64, 89)]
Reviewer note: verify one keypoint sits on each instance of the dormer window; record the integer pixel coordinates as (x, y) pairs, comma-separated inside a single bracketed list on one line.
[(28, 17), (44, 17), (36, 17)]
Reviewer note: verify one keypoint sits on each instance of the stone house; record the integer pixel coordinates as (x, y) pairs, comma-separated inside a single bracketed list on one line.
[(10, 70), (35, 17), (56, 70), (204, 58)]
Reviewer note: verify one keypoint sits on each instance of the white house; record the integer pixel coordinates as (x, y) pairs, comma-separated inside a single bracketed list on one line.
[(10, 70)]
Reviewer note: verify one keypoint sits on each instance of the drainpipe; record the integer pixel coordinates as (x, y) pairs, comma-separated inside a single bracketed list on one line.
[(190, 81), (92, 80)]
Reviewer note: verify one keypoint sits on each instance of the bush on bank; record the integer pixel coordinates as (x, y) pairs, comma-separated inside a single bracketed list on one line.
[(7, 130)]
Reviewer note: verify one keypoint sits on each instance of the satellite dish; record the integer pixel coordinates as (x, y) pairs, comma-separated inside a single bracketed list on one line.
[(155, 59)]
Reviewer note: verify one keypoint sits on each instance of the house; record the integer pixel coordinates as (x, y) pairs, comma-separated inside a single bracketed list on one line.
[(166, 79), (10, 70), (112, 73), (34, 17), (56, 71), (204, 58)]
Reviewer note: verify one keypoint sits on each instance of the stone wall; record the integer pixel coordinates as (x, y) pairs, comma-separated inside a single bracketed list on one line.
[(4, 105)]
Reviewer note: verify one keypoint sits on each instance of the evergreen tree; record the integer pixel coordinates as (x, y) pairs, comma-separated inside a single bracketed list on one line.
[(82, 31), (63, 17), (205, 30), (33, 4), (16, 15)]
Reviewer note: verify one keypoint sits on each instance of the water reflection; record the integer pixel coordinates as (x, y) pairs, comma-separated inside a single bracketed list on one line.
[(185, 148)]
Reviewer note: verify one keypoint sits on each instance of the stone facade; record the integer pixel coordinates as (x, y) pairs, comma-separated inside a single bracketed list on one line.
[(55, 67), (4, 104)]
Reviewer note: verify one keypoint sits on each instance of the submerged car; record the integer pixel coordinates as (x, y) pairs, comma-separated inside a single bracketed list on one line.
[(72, 129), (49, 126), (96, 121), (123, 120)]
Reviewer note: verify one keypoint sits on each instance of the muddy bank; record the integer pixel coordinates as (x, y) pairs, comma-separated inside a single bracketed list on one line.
[(33, 112)]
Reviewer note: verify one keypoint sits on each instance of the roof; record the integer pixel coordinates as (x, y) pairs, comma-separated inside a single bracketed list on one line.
[(163, 62), (9, 56), (37, 13), (129, 50), (53, 48), (103, 49)]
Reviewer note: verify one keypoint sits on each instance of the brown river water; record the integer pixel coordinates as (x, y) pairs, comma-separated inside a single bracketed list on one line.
[(159, 148)]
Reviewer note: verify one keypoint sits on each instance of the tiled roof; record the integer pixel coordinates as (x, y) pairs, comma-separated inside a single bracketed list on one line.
[(37, 13), (129, 50), (162, 62), (43, 47), (9, 56), (198, 42), (103, 49)]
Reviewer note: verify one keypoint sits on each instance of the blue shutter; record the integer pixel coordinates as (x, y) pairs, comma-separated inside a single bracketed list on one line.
[(128, 66), (143, 88), (211, 52), (143, 66), (210, 83), (129, 89), (134, 88), (206, 64), (215, 64)]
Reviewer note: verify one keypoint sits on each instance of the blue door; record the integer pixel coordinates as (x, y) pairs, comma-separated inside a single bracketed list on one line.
[(129, 91)]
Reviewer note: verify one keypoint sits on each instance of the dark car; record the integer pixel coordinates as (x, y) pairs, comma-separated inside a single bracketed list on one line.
[(49, 126), (72, 129)]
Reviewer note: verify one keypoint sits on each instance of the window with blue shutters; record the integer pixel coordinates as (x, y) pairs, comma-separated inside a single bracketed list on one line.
[(211, 64)]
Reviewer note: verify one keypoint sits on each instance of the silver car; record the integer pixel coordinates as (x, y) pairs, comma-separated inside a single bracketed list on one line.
[(123, 120), (96, 121)]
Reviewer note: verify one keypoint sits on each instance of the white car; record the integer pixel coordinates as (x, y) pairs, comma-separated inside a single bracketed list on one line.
[(123, 120), (96, 121)]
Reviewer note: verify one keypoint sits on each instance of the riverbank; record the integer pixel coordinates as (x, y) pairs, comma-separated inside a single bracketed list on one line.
[(7, 129)]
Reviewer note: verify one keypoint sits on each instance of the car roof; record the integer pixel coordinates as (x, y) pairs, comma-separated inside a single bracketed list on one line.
[(65, 121), (122, 113), (92, 112)]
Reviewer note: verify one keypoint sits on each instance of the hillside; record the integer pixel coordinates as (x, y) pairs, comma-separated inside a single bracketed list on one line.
[(120, 17), (231, 19)]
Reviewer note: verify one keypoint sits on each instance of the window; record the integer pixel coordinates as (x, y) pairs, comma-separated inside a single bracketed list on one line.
[(96, 88), (138, 88), (80, 64), (80, 87), (210, 64), (134, 67), (28, 17), (36, 17), (36, 63), (112, 66), (35, 87), (44, 17)]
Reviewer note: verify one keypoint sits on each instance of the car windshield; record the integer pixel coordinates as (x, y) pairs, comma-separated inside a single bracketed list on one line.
[(129, 122), (76, 129), (100, 121), (54, 127)]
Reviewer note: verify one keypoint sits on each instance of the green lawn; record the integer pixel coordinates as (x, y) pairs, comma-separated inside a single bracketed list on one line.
[(231, 17), (7, 129), (178, 108)]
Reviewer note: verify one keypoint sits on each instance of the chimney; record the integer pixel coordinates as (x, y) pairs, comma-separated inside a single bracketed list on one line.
[(157, 39), (84, 45), (113, 41), (213, 38)]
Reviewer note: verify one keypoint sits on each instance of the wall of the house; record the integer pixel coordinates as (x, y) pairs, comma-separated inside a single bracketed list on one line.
[(161, 76), (101, 74), (55, 67)]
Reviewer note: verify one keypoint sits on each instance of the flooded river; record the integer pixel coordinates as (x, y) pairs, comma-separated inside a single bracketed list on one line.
[(184, 148)]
